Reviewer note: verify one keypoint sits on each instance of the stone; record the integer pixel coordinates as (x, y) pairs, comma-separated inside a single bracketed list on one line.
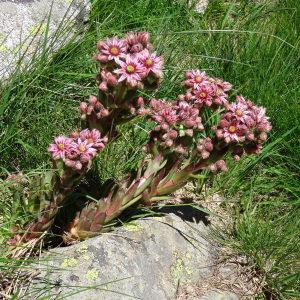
[(201, 6), (24, 25), (148, 259)]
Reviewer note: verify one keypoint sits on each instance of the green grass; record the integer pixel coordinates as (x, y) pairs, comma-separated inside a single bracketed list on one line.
[(253, 44)]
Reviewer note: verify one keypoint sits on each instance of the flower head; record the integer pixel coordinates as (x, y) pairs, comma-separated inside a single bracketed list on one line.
[(194, 78), (131, 71), (112, 49), (203, 95), (93, 137), (151, 63), (60, 147)]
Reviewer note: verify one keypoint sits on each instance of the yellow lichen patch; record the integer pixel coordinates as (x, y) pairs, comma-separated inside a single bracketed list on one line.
[(69, 262), (180, 268), (92, 274), (3, 48), (133, 226), (177, 269), (38, 28), (19, 48), (188, 270), (85, 257), (82, 249), (188, 255)]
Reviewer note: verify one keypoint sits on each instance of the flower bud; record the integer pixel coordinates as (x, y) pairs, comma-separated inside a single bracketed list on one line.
[(103, 86), (165, 126), (98, 105), (205, 154), (101, 45), (189, 132), (69, 163), (169, 143), (237, 157), (140, 101), (181, 97), (102, 58), (213, 168), (93, 100), (263, 136), (90, 110), (173, 134), (250, 136), (83, 107), (104, 112), (78, 165), (180, 149), (221, 165), (219, 134), (112, 80)]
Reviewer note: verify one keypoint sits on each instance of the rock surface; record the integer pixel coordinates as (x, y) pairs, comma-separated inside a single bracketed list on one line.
[(24, 24), (147, 259), (201, 6)]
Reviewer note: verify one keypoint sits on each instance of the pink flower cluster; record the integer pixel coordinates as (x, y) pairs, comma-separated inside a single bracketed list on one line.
[(77, 150), (175, 122), (203, 90), (129, 61), (243, 122)]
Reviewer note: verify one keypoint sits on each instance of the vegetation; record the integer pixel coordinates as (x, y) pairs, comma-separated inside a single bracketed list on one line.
[(241, 41)]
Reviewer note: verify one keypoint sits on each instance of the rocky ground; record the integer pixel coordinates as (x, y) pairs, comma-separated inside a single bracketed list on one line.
[(170, 257), (24, 24)]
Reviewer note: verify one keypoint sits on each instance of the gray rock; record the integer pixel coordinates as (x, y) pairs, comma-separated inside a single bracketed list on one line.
[(148, 259), (24, 25), (201, 6)]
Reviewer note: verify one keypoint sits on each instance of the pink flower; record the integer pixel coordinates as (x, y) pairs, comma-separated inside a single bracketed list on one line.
[(151, 63), (112, 49), (61, 145), (85, 150), (203, 95), (93, 137), (131, 71), (195, 78), (231, 132), (240, 111)]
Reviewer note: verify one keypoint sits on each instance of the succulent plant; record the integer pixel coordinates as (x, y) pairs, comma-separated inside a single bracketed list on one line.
[(192, 133)]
